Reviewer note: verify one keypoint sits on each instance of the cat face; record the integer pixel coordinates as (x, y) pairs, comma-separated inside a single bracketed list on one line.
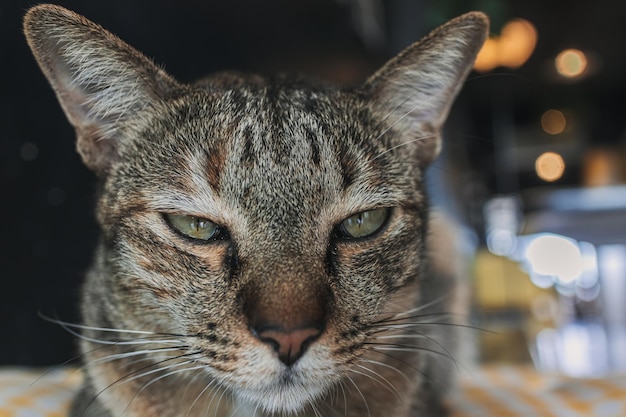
[(275, 178), (268, 224)]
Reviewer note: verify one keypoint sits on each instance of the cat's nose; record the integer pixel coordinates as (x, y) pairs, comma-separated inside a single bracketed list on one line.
[(290, 345)]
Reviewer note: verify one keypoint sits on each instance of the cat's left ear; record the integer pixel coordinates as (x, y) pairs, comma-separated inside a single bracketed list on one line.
[(105, 87), (415, 90)]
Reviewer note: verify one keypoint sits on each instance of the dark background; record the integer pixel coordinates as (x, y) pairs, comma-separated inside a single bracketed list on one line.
[(47, 231)]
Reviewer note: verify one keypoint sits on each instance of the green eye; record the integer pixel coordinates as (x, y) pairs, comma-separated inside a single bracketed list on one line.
[(363, 224), (193, 227)]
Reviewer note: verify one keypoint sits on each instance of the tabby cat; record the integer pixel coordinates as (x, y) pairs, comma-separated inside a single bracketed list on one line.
[(264, 240)]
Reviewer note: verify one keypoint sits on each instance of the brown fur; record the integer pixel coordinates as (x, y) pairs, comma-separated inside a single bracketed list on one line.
[(179, 327)]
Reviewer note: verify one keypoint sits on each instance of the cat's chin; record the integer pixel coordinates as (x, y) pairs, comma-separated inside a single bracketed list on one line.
[(283, 399), (276, 389)]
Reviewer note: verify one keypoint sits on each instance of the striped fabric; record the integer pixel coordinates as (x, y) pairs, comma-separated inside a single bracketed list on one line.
[(29, 393), (503, 391)]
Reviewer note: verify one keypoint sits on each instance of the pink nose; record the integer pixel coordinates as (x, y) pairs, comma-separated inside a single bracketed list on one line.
[(289, 345)]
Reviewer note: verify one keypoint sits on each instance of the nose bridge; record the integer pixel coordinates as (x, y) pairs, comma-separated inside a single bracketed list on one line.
[(285, 290)]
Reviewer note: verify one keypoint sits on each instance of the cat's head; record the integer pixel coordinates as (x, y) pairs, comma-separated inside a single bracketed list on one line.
[(271, 221)]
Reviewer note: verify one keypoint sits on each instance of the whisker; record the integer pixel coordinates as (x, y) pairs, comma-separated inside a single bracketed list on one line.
[(161, 369), (315, 410), (403, 320), (219, 401), (386, 365), (419, 335), (256, 408), (192, 379), (409, 348), (345, 399), (125, 355), (424, 374), (195, 401), (380, 380), (369, 414), (95, 397), (136, 341), (153, 380), (415, 324), (421, 307), (66, 324)]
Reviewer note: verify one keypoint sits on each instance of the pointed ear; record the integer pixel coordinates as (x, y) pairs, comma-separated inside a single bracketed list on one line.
[(103, 85), (415, 90)]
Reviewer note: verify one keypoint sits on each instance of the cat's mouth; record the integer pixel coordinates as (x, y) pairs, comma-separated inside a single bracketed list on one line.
[(286, 395), (269, 384)]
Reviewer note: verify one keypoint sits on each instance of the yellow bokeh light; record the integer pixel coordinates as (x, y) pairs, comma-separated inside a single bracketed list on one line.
[(511, 49), (553, 122), (571, 63), (487, 58), (550, 166), (518, 41)]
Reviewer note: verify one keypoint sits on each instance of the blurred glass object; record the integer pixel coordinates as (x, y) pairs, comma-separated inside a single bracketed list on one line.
[(575, 349), (585, 343), (602, 167), (573, 246), (503, 218)]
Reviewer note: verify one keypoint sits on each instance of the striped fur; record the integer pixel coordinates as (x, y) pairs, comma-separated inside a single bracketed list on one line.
[(278, 163)]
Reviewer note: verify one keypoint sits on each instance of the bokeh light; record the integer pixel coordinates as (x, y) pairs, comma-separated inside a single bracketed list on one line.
[(511, 49), (555, 256), (550, 166), (553, 122), (571, 63)]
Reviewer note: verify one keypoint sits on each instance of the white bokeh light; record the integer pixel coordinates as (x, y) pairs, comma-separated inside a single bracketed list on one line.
[(557, 256)]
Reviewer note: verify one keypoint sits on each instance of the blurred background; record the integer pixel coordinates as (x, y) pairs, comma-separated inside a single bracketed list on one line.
[(533, 165)]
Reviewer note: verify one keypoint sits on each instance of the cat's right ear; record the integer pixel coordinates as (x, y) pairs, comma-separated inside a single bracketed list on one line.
[(103, 85), (415, 90)]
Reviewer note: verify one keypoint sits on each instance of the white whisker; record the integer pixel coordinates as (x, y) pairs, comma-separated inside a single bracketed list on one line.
[(219, 401), (383, 364), (385, 382), (198, 397), (120, 342), (345, 400), (315, 410), (160, 369), (152, 381), (118, 356), (420, 308), (369, 414), (101, 329)]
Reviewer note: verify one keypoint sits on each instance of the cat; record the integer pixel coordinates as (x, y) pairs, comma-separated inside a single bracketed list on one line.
[(264, 244)]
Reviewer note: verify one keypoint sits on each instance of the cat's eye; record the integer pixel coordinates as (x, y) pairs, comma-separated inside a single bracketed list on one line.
[(193, 227), (363, 224)]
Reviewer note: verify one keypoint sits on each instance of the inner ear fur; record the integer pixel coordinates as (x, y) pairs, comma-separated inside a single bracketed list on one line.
[(415, 90), (104, 86)]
